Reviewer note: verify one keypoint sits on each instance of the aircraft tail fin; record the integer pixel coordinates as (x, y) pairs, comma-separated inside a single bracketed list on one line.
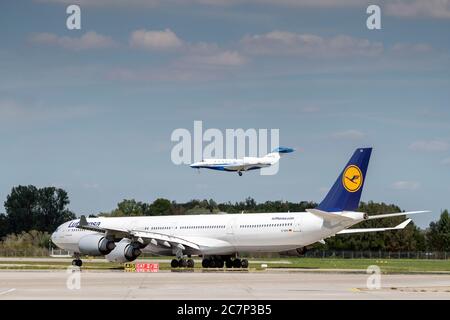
[(346, 191), (279, 152)]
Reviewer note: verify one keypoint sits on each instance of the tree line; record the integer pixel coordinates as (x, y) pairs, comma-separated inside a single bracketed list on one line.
[(44, 209)]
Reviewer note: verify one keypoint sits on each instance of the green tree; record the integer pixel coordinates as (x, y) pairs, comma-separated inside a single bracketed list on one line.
[(130, 208), (52, 209), (438, 235), (4, 228), (34, 242), (21, 208), (28, 208), (160, 207)]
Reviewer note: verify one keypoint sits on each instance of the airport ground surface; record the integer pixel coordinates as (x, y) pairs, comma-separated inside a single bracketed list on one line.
[(386, 265), (270, 284), (291, 278)]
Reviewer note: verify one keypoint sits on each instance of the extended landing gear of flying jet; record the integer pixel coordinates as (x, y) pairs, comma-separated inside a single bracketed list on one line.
[(182, 263), (240, 173)]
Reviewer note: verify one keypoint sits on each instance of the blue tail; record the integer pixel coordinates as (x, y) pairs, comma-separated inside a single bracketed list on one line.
[(346, 191)]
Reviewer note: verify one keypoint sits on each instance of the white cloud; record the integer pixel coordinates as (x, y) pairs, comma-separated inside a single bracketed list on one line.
[(430, 145), (406, 185), (349, 135), (89, 40), (201, 53), (419, 8), (220, 59), (289, 43), (155, 39)]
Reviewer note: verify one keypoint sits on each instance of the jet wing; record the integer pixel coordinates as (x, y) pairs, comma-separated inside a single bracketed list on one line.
[(156, 238), (194, 243), (142, 236), (399, 227)]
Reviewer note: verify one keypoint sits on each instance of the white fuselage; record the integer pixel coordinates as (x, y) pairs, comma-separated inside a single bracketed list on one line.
[(217, 234), (244, 164)]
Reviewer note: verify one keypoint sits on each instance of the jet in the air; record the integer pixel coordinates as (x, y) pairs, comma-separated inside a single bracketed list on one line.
[(244, 164)]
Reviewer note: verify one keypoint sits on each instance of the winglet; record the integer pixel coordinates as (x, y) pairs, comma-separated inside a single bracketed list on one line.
[(403, 224)]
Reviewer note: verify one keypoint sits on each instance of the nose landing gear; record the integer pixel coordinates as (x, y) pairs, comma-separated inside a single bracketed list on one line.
[(77, 261)]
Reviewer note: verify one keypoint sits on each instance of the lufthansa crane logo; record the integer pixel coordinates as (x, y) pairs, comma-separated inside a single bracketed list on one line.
[(352, 179)]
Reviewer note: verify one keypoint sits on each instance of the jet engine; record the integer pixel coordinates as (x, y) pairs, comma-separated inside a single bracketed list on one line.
[(125, 251), (95, 245)]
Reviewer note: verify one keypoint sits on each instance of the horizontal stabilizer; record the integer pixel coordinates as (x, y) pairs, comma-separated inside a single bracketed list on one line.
[(330, 216), (399, 227), (389, 215), (283, 150)]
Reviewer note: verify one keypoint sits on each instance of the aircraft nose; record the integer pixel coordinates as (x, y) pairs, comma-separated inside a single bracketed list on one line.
[(54, 236)]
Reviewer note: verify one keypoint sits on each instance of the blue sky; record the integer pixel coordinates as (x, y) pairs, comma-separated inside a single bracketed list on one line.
[(92, 110)]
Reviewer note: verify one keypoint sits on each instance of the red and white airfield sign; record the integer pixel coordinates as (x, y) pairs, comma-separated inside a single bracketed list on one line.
[(142, 267)]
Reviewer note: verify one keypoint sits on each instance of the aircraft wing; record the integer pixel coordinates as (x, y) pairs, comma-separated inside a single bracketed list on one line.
[(156, 238), (245, 166), (399, 227), (142, 236)]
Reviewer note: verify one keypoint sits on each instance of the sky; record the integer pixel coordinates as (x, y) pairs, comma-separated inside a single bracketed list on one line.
[(92, 110)]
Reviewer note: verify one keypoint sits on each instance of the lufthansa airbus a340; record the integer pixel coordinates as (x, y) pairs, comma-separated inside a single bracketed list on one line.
[(219, 238)]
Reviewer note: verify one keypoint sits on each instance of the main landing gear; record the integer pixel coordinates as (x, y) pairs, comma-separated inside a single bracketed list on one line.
[(218, 262), (240, 173), (77, 261), (182, 263)]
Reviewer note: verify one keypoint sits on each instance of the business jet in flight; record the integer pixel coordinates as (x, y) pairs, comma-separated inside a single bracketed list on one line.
[(219, 238), (245, 164)]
